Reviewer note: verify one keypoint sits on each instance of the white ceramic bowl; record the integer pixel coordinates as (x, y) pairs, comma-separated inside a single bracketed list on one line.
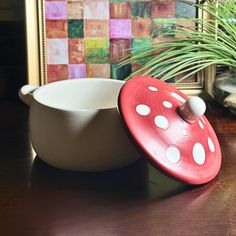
[(75, 124)]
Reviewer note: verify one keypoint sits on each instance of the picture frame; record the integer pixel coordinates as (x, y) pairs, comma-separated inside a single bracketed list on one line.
[(37, 52)]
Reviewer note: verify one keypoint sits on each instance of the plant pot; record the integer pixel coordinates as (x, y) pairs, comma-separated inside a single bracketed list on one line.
[(224, 89)]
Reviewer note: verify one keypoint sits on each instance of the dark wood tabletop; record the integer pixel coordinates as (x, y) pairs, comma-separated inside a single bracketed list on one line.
[(36, 199)]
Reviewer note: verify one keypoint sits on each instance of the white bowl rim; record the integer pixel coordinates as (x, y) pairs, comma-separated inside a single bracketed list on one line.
[(81, 80)]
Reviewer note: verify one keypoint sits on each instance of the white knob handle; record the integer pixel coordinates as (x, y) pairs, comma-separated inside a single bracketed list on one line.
[(193, 108)]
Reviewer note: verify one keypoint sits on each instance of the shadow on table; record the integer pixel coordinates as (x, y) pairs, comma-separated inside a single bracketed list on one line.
[(138, 180)]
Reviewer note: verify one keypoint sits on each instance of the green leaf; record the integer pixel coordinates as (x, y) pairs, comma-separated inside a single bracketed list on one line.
[(206, 42)]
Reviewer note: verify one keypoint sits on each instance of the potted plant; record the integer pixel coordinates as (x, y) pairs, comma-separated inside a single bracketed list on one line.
[(210, 41)]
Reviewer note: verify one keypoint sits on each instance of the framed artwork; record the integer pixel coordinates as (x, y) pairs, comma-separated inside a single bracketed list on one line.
[(69, 39)]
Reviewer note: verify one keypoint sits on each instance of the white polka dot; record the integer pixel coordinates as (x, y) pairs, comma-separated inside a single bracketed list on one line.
[(199, 154), (211, 145), (167, 104), (154, 89), (161, 122), (142, 109), (184, 132), (201, 124), (177, 96), (173, 154)]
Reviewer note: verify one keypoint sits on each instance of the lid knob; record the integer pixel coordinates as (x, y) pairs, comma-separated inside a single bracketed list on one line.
[(193, 108)]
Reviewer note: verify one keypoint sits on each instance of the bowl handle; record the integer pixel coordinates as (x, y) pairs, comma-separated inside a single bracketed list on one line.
[(26, 93)]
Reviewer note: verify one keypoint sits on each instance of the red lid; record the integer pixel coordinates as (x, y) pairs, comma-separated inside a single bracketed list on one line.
[(184, 147)]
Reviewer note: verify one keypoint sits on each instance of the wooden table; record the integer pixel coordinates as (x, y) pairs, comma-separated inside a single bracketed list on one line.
[(36, 199)]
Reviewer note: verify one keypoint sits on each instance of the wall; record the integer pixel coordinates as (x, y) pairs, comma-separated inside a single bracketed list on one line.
[(12, 46)]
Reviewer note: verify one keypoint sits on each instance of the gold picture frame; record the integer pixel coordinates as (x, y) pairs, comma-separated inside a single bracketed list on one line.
[(36, 52)]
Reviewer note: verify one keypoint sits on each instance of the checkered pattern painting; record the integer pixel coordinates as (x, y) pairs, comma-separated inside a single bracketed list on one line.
[(87, 38)]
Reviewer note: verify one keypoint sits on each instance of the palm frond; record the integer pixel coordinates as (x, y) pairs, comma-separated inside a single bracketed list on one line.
[(193, 48)]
